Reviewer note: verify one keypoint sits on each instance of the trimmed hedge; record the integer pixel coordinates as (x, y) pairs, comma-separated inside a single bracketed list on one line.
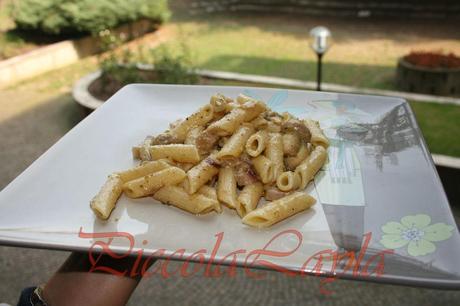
[(84, 16)]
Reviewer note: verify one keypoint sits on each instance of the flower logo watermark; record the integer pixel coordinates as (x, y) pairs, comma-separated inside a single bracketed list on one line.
[(416, 232)]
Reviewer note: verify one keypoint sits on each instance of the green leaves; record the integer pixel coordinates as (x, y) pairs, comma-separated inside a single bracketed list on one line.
[(84, 16), (173, 66)]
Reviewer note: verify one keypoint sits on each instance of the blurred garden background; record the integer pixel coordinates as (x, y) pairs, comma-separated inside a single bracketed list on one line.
[(37, 106)]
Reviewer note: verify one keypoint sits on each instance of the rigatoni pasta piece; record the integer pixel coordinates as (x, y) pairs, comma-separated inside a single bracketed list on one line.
[(104, 202), (311, 165), (201, 174), (211, 193), (259, 122), (317, 135), (257, 143), (148, 184), (253, 109), (264, 168), (288, 181), (232, 121), (291, 143), (193, 203), (136, 152), (227, 124), (193, 135), (144, 153), (249, 198), (235, 145), (226, 187), (143, 170), (274, 152), (178, 152), (279, 210), (292, 162), (241, 99), (286, 116), (199, 118), (219, 103), (185, 166)]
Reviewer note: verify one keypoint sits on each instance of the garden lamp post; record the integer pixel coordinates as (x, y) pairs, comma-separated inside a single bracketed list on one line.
[(320, 43)]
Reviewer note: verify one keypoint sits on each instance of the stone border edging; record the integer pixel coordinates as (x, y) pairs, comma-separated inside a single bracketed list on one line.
[(81, 94), (61, 54), (446, 161), (325, 86)]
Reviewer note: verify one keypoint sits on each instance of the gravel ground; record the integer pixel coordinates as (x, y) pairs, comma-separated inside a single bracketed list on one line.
[(31, 121), (20, 268)]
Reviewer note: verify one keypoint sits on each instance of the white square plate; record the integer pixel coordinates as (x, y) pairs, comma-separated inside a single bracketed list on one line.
[(379, 175)]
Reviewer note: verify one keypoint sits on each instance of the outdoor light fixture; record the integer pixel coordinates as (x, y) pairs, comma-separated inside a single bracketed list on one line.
[(320, 43)]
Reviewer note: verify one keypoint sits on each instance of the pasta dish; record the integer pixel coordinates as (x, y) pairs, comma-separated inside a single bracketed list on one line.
[(230, 152)]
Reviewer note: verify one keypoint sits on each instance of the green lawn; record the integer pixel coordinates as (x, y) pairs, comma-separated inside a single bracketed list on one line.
[(440, 125), (364, 51)]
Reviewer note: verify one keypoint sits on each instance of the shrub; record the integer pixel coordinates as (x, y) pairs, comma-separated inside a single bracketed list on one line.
[(170, 67), (84, 16), (173, 67), (120, 66)]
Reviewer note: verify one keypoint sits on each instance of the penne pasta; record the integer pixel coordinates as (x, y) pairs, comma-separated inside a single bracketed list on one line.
[(288, 181), (143, 170), (311, 165), (241, 99), (201, 174), (286, 116), (235, 145), (211, 193), (227, 124), (259, 122), (232, 121), (279, 210), (317, 136), (178, 152), (229, 152), (199, 118), (193, 135), (249, 198), (274, 152), (292, 162), (264, 168), (136, 152), (219, 103), (197, 204), (226, 187), (144, 153), (257, 143), (104, 202), (148, 184), (185, 166)]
